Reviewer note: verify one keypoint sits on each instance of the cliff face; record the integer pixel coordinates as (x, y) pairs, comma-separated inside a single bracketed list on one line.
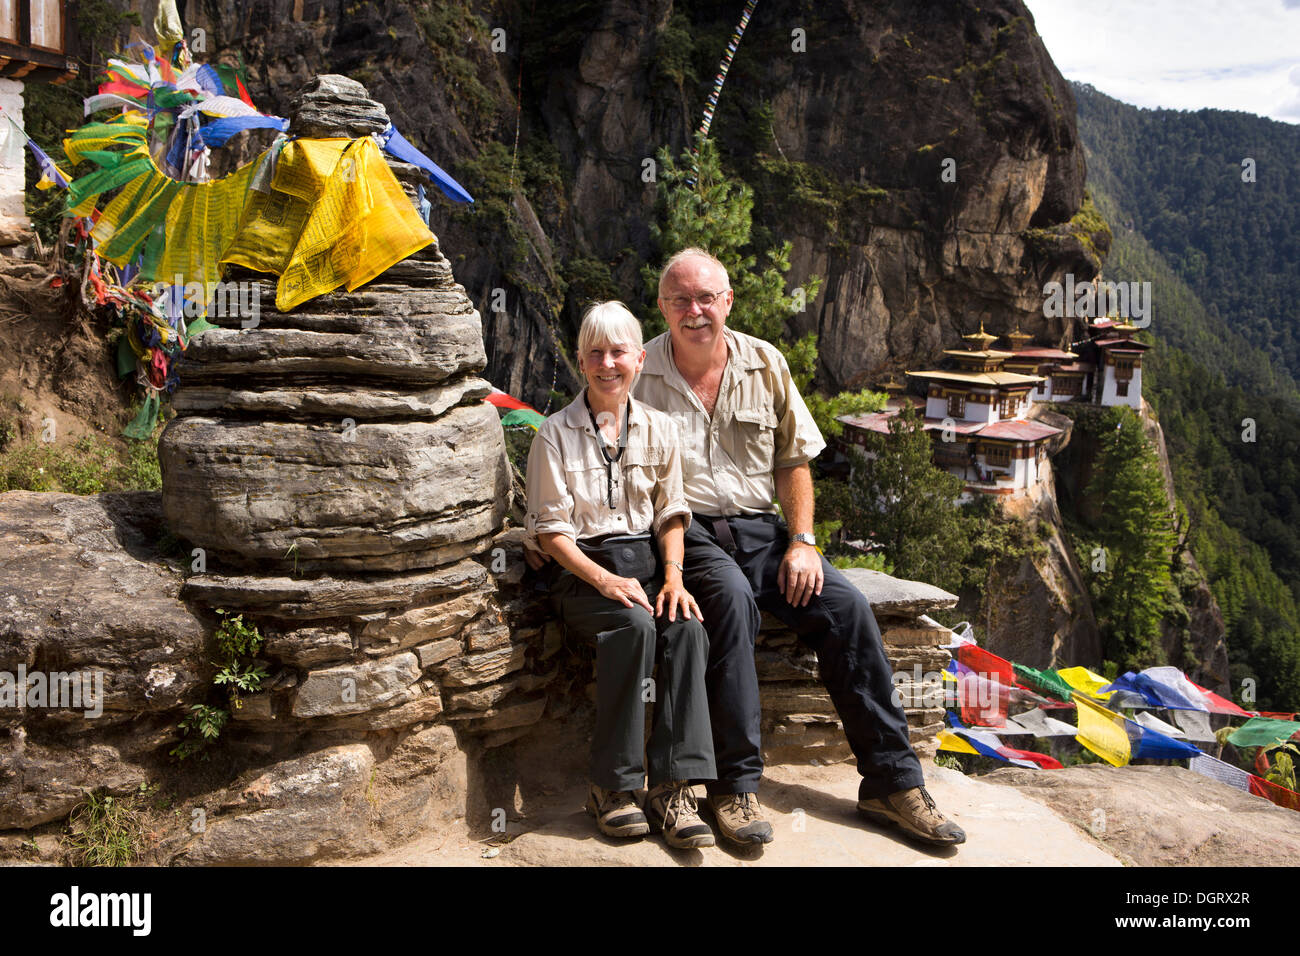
[(922, 221)]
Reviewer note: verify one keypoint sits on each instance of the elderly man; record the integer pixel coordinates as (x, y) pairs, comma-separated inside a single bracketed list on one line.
[(748, 439)]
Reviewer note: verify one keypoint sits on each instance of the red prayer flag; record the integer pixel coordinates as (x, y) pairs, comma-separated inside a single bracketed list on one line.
[(987, 664), (1046, 761), (1271, 791), (502, 400), (1219, 705)]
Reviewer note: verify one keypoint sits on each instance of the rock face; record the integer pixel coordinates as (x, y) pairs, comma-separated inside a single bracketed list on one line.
[(84, 593), (848, 167)]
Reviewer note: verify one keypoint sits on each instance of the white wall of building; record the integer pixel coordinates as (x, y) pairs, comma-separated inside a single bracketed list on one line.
[(13, 152), (1110, 394)]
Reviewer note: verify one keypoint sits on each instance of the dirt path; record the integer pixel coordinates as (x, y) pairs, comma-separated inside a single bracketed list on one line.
[(812, 811)]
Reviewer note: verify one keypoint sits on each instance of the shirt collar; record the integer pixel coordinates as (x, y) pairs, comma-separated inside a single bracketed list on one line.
[(740, 350), (575, 415)]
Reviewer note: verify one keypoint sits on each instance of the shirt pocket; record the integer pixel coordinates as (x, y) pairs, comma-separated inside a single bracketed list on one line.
[(588, 486), (754, 434), (642, 467)]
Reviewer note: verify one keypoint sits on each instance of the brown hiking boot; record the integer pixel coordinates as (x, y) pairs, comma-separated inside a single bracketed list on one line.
[(616, 812), (915, 811), (671, 807), (740, 818)]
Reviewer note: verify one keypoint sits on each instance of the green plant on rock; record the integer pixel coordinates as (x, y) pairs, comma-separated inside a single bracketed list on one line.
[(106, 831), (238, 673)]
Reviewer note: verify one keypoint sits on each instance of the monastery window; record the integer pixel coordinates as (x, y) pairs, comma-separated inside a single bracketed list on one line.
[(1065, 385), (998, 455), (1123, 368), (957, 406), (1121, 387), (1007, 406)]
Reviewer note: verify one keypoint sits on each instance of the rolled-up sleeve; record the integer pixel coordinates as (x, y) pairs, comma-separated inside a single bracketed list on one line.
[(798, 439), (550, 504), (669, 499)]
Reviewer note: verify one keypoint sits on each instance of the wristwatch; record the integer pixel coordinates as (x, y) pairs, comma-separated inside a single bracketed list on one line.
[(678, 565), (804, 538)]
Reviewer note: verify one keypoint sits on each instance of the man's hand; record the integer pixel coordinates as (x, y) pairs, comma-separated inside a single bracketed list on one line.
[(536, 559), (801, 574)]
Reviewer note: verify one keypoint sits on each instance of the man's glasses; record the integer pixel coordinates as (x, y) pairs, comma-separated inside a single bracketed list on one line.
[(704, 299)]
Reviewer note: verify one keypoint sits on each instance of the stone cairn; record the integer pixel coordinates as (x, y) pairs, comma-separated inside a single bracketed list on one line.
[(799, 721), (339, 470)]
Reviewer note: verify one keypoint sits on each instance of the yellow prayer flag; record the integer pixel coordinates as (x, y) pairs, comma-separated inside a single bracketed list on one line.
[(1102, 731), (951, 742), (1085, 681)]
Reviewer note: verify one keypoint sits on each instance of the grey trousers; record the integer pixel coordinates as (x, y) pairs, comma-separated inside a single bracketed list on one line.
[(630, 643)]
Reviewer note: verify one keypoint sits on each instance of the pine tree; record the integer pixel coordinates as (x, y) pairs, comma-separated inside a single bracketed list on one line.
[(905, 504), (1136, 533)]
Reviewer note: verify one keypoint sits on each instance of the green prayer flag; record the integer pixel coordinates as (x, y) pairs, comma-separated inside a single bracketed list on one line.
[(1263, 732), (523, 416), (1045, 682), (143, 424), (125, 358)]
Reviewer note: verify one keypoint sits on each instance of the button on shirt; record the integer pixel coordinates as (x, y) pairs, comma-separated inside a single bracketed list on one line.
[(568, 478), (760, 423)]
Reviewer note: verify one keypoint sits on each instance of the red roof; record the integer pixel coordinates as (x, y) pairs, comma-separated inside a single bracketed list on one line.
[(1129, 343), (1019, 430)]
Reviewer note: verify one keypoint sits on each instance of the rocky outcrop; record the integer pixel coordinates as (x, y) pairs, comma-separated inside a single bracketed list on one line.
[(1036, 609), (1164, 816), (85, 595)]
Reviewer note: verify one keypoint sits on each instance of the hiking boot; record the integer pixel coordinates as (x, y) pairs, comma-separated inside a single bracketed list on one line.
[(616, 812), (740, 818), (915, 812), (671, 807)]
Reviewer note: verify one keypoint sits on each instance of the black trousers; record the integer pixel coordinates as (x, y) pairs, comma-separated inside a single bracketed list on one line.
[(837, 624), (631, 645)]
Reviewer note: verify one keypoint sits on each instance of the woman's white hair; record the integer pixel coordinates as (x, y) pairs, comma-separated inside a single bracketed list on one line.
[(609, 323)]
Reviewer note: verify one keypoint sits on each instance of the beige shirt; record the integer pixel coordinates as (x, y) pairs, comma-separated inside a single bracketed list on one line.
[(568, 489), (760, 423)]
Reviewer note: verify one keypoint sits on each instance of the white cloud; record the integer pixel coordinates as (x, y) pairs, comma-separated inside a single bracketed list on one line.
[(1179, 54)]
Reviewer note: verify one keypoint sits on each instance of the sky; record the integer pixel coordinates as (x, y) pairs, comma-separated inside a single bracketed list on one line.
[(1180, 54)]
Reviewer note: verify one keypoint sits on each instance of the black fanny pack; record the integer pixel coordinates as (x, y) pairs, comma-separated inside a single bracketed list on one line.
[(627, 555)]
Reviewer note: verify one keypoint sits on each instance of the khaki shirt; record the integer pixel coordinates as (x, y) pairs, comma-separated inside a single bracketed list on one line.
[(760, 423), (568, 490)]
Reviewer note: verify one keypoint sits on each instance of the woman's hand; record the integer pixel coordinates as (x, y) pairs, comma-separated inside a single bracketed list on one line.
[(674, 595), (626, 590)]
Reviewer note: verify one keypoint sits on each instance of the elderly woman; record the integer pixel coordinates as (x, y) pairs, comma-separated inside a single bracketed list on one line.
[(602, 475)]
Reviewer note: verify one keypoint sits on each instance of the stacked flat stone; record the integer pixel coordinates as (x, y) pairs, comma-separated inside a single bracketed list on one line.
[(340, 471), (799, 720)]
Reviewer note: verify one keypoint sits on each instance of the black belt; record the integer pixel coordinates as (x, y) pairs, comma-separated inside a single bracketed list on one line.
[(722, 530)]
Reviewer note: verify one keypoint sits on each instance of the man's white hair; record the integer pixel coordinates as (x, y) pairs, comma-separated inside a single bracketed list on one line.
[(609, 323), (691, 252)]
